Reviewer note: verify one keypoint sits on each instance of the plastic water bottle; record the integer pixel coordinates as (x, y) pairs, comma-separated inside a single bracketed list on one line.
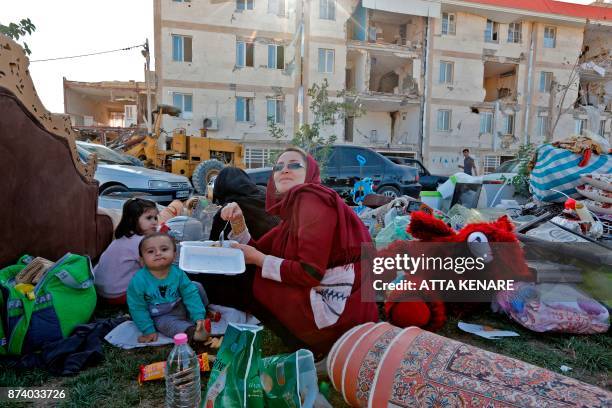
[(182, 374)]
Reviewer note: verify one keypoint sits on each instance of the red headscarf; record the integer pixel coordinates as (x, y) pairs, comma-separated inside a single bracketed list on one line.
[(350, 231)]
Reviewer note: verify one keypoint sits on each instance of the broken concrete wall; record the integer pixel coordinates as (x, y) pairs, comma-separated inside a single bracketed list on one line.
[(81, 105)]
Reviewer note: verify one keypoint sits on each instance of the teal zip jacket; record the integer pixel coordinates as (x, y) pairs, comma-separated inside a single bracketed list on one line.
[(145, 292)]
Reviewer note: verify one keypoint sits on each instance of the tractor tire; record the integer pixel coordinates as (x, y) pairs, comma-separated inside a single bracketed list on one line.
[(203, 173)]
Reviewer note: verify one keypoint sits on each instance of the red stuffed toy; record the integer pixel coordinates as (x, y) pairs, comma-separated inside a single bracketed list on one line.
[(509, 263)]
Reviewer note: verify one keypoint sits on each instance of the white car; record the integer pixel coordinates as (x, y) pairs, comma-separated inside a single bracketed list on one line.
[(116, 174), (507, 170)]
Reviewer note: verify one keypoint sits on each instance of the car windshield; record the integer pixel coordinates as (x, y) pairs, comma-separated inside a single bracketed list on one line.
[(507, 167), (104, 154)]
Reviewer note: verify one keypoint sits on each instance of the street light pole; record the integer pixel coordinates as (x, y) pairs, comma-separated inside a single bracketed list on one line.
[(147, 56)]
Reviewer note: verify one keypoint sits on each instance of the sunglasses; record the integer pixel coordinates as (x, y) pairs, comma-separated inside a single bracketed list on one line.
[(290, 166)]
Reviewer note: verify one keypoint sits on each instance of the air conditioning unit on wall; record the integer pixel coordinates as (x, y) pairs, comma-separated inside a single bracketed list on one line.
[(211, 124)]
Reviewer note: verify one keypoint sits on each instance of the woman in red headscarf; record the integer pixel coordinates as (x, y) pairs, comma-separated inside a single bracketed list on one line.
[(308, 267)]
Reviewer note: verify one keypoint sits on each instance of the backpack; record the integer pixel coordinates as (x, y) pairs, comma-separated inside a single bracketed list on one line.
[(63, 297)]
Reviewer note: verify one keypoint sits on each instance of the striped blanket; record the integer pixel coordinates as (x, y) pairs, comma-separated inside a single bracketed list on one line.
[(558, 169)]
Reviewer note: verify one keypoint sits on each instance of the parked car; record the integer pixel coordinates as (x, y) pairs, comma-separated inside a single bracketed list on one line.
[(116, 174), (507, 170), (343, 170), (428, 181)]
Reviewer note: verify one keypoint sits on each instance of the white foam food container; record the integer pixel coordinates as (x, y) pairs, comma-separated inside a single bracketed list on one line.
[(203, 257)]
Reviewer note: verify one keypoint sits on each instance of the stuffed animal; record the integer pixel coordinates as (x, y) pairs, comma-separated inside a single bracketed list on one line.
[(472, 241)]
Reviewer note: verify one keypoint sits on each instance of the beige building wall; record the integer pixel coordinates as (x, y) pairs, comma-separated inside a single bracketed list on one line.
[(465, 96)]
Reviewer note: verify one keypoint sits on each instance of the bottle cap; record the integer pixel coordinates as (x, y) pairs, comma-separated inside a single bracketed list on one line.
[(180, 338), (570, 204)]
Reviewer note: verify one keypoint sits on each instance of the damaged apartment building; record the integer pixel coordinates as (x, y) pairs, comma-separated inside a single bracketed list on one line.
[(433, 77)]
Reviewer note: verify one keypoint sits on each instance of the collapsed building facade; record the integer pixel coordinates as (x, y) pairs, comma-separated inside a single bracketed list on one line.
[(433, 77)]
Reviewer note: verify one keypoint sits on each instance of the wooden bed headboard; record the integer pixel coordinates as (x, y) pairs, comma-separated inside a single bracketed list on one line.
[(48, 197)]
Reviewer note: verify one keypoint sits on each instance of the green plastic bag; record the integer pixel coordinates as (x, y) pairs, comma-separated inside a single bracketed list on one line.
[(234, 381), (290, 380)]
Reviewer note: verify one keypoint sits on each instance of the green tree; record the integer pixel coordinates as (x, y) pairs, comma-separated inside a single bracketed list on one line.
[(326, 112), (16, 31)]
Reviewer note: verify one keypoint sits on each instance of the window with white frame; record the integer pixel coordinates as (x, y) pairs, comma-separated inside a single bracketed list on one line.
[(327, 9), (515, 32), (276, 56), (326, 61), (542, 126), (448, 23), (492, 32), (446, 72), (508, 125), (491, 163), (259, 157), (550, 37), (602, 128), (545, 81), (580, 125), (245, 54), (486, 122), (244, 4), (275, 110), (181, 48), (184, 102), (444, 118), (245, 109), (277, 7)]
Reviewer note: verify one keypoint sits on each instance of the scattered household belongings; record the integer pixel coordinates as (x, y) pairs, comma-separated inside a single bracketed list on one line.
[(33, 271), (155, 371), (485, 331), (558, 170), (45, 312), (548, 307), (565, 368), (378, 365)]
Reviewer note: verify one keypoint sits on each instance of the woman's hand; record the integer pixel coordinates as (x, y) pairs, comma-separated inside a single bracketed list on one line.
[(231, 212), (251, 255), (147, 338)]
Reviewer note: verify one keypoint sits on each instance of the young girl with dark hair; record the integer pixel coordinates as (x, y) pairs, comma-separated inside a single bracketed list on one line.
[(121, 260)]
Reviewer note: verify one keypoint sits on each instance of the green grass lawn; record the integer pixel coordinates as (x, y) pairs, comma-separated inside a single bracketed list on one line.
[(113, 383)]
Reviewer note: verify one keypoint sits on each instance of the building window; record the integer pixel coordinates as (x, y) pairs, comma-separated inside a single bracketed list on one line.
[(181, 48), (508, 128), (491, 163), (276, 56), (514, 32), (444, 118), (446, 72), (326, 61), (244, 4), (277, 7), (259, 157), (327, 9), (486, 122), (580, 126), (492, 32), (602, 128), (545, 81), (542, 126), (275, 110), (116, 119), (184, 102), (245, 54), (245, 109), (550, 37), (448, 23)]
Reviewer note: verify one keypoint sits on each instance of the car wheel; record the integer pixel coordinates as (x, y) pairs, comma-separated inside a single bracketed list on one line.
[(114, 189), (388, 191)]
